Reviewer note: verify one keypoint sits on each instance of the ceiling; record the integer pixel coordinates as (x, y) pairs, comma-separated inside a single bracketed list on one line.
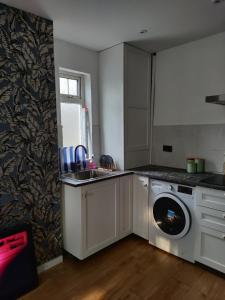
[(99, 24)]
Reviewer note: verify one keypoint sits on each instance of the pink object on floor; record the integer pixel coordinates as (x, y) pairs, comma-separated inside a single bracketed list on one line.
[(10, 247)]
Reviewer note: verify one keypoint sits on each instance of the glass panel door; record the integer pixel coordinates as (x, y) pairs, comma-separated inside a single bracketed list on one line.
[(169, 216)]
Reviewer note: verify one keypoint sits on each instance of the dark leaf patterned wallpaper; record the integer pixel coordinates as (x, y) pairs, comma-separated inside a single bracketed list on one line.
[(29, 184)]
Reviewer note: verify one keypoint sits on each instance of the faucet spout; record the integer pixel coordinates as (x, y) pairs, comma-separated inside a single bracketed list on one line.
[(78, 160)]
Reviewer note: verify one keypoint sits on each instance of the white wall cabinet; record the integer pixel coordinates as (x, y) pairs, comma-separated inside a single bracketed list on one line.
[(136, 107), (140, 206), (96, 215), (210, 239), (125, 105), (185, 75)]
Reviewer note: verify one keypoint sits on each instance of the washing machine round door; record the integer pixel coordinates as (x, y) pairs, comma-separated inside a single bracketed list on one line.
[(171, 216)]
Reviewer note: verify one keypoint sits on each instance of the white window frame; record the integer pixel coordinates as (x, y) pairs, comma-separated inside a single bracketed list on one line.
[(70, 98), (64, 98)]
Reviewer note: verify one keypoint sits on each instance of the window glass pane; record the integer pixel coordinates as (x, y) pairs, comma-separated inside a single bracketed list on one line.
[(73, 87), (71, 124), (63, 86)]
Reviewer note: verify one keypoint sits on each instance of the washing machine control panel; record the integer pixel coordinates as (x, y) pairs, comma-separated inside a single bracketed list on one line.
[(162, 186), (184, 189)]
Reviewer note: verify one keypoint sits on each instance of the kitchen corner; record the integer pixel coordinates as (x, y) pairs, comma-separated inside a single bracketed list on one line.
[(98, 120)]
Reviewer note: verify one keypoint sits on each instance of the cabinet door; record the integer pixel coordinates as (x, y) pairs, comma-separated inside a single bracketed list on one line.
[(211, 248), (72, 221), (100, 215), (136, 106), (125, 207), (140, 206)]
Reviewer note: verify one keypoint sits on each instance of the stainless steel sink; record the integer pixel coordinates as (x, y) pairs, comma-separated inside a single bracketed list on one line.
[(87, 175)]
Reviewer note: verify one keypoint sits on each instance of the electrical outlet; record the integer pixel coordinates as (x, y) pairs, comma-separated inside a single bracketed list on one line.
[(167, 148)]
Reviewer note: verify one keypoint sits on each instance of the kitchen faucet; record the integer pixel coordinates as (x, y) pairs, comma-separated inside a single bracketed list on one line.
[(78, 160)]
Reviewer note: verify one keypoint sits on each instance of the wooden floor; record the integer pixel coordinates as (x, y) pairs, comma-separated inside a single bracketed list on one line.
[(128, 270)]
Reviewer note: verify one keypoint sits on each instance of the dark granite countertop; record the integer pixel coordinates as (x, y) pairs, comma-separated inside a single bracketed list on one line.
[(215, 181), (172, 175), (78, 183)]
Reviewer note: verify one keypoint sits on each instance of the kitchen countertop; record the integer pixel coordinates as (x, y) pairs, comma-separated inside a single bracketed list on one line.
[(77, 183), (173, 175), (214, 182)]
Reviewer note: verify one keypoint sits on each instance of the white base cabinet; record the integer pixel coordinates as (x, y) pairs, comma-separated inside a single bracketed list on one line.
[(101, 203), (211, 248), (96, 215), (210, 240), (140, 206), (126, 206)]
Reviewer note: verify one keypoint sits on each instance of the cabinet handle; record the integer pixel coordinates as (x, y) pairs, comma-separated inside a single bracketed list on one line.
[(88, 194), (145, 184)]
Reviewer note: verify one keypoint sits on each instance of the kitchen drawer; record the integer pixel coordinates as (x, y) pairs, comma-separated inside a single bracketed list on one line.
[(211, 248), (211, 218), (211, 198)]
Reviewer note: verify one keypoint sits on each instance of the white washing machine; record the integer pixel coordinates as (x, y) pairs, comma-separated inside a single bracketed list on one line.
[(172, 225)]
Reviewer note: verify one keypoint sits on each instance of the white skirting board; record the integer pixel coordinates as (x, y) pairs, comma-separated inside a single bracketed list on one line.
[(49, 264)]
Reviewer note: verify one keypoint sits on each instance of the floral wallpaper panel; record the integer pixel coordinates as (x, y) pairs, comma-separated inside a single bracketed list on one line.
[(29, 183)]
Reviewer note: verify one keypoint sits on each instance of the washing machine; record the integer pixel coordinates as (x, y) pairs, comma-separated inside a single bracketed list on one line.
[(172, 223)]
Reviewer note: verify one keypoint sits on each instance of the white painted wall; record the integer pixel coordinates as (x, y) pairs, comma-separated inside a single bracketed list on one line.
[(111, 92), (184, 76), (76, 58)]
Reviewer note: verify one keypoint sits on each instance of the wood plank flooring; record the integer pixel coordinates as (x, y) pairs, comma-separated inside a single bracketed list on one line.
[(129, 270)]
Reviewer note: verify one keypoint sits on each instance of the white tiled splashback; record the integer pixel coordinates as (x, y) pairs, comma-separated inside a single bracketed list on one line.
[(205, 141)]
